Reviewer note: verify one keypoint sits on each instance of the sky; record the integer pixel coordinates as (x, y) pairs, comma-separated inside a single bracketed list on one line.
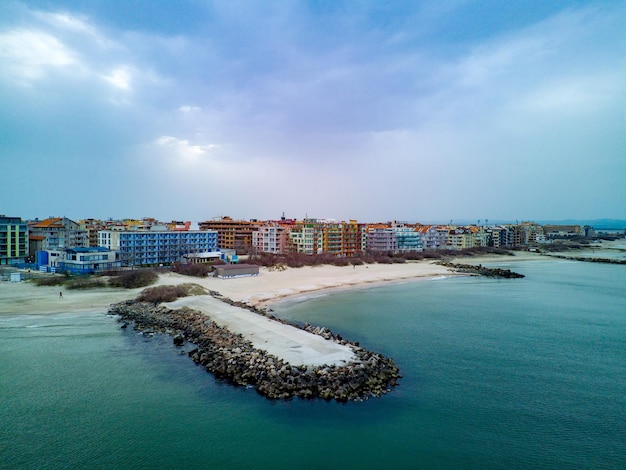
[(368, 110)]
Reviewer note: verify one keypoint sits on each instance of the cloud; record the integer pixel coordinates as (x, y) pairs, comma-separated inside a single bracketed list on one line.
[(182, 148), (26, 55), (189, 109), (120, 77), (404, 99), (67, 22)]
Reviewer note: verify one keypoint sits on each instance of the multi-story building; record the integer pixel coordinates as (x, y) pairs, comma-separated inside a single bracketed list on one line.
[(432, 238), (13, 240), (515, 235), (532, 231), (479, 234), (232, 234), (56, 233), (92, 227), (408, 238), (331, 237), (154, 247), (381, 238), (270, 238), (460, 238), (306, 237), (496, 236), (353, 238)]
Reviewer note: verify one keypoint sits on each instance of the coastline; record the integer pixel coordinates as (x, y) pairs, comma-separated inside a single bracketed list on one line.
[(261, 335), (260, 291), (27, 298)]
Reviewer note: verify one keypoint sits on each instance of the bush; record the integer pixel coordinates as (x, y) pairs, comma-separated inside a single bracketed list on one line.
[(163, 293), (85, 283), (50, 281), (196, 269), (340, 262), (134, 279)]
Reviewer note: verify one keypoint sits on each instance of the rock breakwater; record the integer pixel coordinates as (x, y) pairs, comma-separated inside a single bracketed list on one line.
[(481, 270), (233, 358)]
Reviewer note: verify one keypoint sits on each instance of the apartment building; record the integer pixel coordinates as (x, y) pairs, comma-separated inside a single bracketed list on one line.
[(352, 238), (232, 234), (13, 240), (381, 238), (408, 238), (496, 236), (306, 237), (92, 227), (432, 237), (460, 238), (56, 233), (270, 238)]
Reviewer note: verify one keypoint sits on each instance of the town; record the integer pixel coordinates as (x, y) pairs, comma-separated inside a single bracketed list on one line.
[(58, 244)]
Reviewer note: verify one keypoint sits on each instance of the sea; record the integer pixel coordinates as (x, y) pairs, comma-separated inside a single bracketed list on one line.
[(497, 373)]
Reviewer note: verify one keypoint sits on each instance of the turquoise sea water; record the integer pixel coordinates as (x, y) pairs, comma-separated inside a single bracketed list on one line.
[(523, 373)]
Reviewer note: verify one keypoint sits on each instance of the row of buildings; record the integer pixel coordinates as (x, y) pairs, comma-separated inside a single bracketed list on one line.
[(94, 245)]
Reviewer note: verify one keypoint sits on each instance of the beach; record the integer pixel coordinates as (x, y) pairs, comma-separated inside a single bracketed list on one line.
[(285, 341), (269, 286)]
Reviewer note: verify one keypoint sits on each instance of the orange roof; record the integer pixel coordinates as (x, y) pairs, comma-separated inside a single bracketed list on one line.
[(35, 237), (52, 222)]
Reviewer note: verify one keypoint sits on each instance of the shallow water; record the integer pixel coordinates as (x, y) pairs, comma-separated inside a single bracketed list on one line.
[(497, 373)]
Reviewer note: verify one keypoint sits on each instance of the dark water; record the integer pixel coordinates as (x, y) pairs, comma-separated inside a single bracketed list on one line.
[(526, 373)]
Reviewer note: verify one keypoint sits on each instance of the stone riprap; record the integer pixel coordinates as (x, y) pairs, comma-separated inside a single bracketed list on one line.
[(233, 358), (481, 270)]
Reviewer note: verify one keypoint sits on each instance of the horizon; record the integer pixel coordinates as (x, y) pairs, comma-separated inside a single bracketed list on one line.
[(610, 223), (369, 111)]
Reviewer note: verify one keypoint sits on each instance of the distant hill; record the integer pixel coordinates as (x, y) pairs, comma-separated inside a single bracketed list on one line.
[(598, 224)]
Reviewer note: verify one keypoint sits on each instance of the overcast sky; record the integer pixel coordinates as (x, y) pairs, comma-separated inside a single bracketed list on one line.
[(374, 110)]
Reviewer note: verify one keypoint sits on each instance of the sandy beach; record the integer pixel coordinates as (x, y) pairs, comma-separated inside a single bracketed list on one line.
[(292, 344), (268, 286)]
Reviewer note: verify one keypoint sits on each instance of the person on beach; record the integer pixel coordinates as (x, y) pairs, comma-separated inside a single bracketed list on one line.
[(61, 294)]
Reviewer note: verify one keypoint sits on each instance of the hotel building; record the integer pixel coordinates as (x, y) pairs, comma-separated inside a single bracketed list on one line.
[(154, 247)]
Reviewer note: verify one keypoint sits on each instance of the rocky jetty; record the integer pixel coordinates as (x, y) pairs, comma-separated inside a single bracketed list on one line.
[(232, 358), (588, 259), (481, 270)]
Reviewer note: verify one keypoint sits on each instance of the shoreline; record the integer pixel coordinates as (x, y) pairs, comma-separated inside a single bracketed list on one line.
[(252, 330), (262, 291)]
